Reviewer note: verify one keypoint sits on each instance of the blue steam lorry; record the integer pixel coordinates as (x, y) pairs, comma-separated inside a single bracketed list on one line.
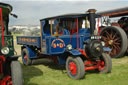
[(69, 40)]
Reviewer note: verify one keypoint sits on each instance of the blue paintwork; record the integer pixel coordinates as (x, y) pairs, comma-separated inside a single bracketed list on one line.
[(23, 59), (67, 40), (75, 52), (52, 45), (31, 54), (107, 49), (37, 43), (66, 32), (83, 31), (61, 60), (49, 50)]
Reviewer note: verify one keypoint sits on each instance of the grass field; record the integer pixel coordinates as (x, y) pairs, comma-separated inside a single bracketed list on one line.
[(48, 73), (44, 72)]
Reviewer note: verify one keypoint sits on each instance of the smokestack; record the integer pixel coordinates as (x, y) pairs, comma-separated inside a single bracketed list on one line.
[(92, 20)]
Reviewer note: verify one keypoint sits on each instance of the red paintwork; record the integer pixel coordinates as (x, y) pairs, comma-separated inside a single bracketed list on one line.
[(73, 31), (94, 65), (91, 68), (102, 65), (91, 65), (2, 59), (115, 24), (73, 68), (25, 57), (83, 53), (98, 27), (2, 27), (6, 81)]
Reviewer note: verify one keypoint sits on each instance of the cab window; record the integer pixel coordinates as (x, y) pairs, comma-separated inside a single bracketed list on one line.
[(56, 27)]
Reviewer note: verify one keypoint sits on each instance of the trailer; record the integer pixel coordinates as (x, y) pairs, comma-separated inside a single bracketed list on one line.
[(10, 68), (68, 40), (115, 35)]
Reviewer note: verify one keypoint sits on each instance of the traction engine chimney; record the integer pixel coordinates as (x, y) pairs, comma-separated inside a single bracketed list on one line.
[(92, 20)]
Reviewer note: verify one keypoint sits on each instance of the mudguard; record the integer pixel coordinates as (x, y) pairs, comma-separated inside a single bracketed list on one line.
[(31, 54), (75, 52), (15, 57), (107, 49)]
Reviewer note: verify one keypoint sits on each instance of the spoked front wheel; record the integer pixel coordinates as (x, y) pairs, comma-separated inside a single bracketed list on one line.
[(75, 67)]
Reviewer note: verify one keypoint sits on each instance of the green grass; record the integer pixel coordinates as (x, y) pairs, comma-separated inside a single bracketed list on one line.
[(14, 35), (48, 73)]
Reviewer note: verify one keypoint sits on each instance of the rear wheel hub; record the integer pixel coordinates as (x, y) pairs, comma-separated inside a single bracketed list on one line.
[(110, 42)]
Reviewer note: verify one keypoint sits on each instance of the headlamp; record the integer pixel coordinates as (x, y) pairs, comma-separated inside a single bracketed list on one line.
[(5, 50), (69, 47)]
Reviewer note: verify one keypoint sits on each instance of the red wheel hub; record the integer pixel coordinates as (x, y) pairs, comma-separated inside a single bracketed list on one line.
[(102, 65), (25, 57), (73, 68)]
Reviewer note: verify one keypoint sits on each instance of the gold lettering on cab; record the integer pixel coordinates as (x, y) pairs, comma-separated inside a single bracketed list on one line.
[(58, 43), (27, 40)]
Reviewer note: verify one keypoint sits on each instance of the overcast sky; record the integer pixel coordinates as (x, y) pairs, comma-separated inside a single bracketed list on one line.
[(31, 11)]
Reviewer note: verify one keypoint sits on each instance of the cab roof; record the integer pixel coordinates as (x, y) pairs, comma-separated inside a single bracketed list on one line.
[(8, 8), (73, 15)]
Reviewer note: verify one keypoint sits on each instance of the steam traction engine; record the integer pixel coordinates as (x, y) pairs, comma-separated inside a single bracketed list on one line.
[(115, 33), (66, 39), (10, 68)]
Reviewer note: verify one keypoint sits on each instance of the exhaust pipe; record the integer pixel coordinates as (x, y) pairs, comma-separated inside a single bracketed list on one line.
[(92, 20)]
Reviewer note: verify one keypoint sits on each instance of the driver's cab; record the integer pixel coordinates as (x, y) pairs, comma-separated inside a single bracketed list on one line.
[(64, 26), (58, 32)]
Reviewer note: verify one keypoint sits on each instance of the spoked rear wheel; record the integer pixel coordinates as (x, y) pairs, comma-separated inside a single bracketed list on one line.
[(116, 39), (75, 67)]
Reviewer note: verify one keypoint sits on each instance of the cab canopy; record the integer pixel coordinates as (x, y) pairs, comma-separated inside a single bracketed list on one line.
[(57, 24), (54, 26), (115, 12), (6, 9), (66, 16)]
